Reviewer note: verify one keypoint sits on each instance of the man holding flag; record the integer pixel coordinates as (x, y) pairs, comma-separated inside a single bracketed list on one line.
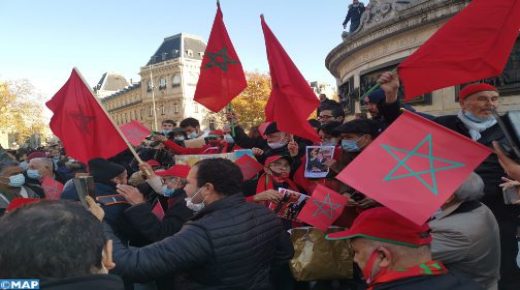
[(475, 121)]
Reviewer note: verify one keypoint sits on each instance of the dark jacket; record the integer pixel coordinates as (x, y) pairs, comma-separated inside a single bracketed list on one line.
[(230, 244), (114, 215), (354, 14), (143, 220), (448, 281), (244, 141), (95, 281)]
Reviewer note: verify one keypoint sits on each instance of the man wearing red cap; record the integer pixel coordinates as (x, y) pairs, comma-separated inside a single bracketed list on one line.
[(394, 253), (475, 120)]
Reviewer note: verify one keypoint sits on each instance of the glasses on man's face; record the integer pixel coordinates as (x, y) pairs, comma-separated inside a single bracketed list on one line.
[(325, 117)]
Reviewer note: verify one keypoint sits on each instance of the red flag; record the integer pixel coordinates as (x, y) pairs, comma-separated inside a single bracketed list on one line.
[(414, 166), (81, 124), (323, 208), (221, 75), (135, 132), (158, 211), (475, 44), (292, 100), (52, 188), (249, 166)]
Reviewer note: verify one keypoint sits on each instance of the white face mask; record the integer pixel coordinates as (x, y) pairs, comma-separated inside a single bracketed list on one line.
[(277, 145), (192, 135), (196, 207)]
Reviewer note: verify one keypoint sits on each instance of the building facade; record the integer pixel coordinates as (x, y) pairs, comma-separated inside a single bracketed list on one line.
[(167, 84), (389, 32)]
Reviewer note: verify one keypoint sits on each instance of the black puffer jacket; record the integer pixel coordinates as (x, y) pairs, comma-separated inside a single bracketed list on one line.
[(230, 244)]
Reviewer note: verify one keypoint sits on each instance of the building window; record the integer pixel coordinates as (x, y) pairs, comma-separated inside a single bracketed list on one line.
[(141, 114), (176, 80), (151, 111), (162, 84), (163, 56), (189, 52), (149, 87), (196, 108), (176, 108), (163, 111)]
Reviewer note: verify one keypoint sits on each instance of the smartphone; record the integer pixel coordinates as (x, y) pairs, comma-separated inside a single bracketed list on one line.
[(84, 186)]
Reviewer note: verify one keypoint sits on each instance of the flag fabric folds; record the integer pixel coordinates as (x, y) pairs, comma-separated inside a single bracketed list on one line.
[(221, 75), (81, 124), (292, 100), (135, 132), (414, 166), (475, 44)]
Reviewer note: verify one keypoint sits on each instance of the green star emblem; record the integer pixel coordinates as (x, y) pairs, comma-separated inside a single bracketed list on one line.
[(431, 171), (325, 207), (220, 59)]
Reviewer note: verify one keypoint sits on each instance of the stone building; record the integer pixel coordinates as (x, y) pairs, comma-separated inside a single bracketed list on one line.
[(389, 32), (169, 78)]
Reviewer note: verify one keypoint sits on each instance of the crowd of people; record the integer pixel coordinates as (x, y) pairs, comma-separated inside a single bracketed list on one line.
[(160, 225)]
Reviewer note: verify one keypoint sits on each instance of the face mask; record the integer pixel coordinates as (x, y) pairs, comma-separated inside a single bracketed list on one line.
[(23, 165), (16, 180), (477, 119), (192, 135), (33, 173), (196, 207), (277, 145), (330, 142), (166, 191), (166, 132), (350, 145), (229, 139), (179, 138)]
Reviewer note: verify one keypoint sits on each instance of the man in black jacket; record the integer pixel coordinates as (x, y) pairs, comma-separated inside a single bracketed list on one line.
[(475, 121), (228, 244), (355, 10)]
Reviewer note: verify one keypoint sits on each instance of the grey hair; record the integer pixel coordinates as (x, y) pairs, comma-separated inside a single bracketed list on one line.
[(471, 189)]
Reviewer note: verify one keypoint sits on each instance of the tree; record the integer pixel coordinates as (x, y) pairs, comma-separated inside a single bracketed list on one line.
[(20, 110), (249, 105)]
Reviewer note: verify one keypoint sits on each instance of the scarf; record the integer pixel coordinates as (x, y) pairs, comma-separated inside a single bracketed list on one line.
[(475, 128), (430, 268), (266, 182)]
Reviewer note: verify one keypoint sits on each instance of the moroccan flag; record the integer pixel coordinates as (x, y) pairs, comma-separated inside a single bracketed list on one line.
[(135, 132), (292, 99), (249, 166), (221, 75), (414, 166), (81, 124), (323, 208), (475, 44)]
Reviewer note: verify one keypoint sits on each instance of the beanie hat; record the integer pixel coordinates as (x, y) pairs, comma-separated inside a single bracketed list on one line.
[(475, 88), (103, 170)]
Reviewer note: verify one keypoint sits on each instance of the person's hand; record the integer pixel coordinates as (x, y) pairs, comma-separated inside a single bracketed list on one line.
[(132, 194), (389, 82), (147, 169), (95, 208), (510, 166), (159, 138), (508, 183), (268, 195), (330, 163), (367, 203), (257, 151), (293, 148)]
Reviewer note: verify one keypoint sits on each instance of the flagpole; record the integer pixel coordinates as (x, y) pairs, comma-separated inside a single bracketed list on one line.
[(111, 120), (153, 100)]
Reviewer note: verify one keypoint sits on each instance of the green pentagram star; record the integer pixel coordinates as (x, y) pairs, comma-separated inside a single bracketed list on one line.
[(326, 202), (214, 59), (417, 174)]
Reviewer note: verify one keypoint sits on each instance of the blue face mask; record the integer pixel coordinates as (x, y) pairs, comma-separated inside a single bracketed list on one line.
[(33, 173), (477, 119), (16, 180), (166, 132), (350, 145), (166, 191)]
